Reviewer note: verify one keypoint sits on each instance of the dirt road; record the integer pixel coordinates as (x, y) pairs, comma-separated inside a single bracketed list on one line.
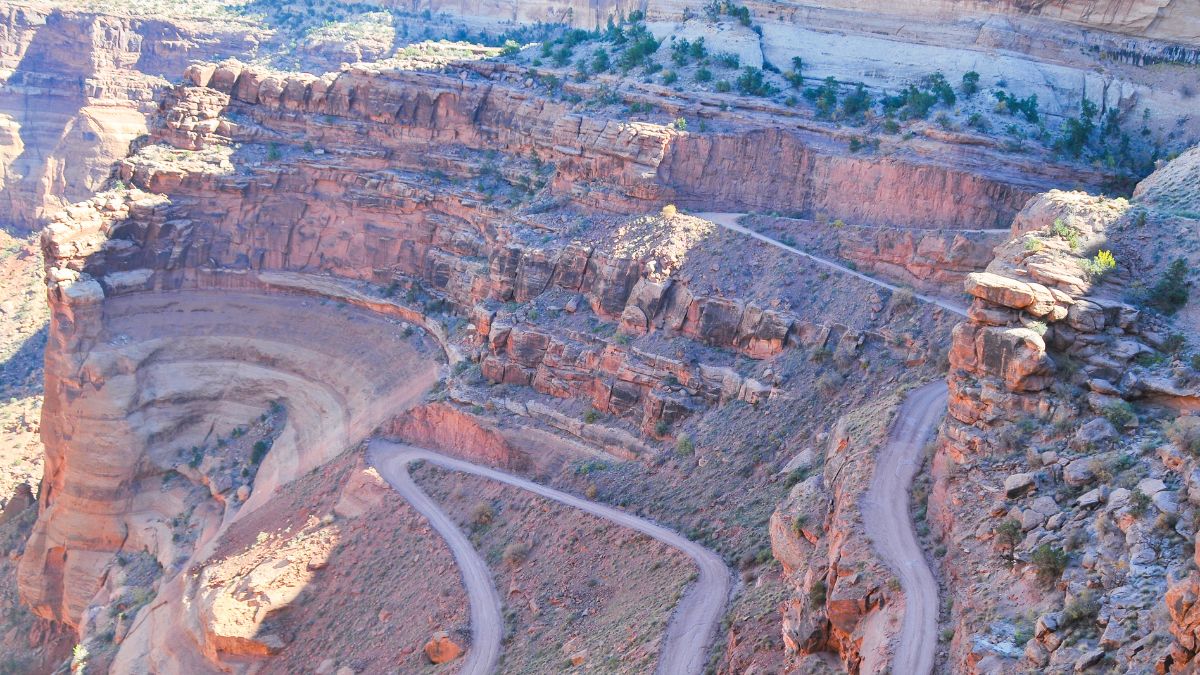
[(486, 620), (729, 221), (890, 527), (693, 623)]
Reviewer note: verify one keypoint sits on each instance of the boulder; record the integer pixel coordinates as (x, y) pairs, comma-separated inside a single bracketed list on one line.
[(441, 649), (1019, 484), (1094, 433), (1079, 472)]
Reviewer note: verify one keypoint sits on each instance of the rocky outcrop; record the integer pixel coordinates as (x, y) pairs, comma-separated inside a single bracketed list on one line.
[(77, 90), (446, 428), (843, 597), (1053, 377), (1036, 299)]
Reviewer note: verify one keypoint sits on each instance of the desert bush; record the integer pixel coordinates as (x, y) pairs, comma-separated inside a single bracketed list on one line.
[(482, 514), (798, 525), (1008, 535), (1082, 609), (752, 83), (830, 383), (795, 76), (1064, 231), (825, 97), (970, 83), (510, 47), (1171, 292), (816, 594), (856, 102), (515, 553), (1120, 413), (1100, 264), (1139, 503), (1050, 562), (1185, 433), (684, 445), (260, 450), (903, 298)]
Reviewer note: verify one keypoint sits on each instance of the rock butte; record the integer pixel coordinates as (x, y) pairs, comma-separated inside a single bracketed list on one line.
[(269, 240)]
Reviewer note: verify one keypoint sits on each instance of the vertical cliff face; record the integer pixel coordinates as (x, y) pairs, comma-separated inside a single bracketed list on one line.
[(77, 89)]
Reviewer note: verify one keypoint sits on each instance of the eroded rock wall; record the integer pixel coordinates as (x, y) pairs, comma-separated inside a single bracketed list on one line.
[(1060, 381), (75, 91)]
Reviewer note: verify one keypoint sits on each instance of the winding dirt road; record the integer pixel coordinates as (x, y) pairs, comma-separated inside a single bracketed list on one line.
[(729, 221), (890, 527), (685, 646)]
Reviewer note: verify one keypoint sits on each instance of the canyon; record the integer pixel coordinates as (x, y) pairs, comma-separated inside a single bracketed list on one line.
[(555, 338)]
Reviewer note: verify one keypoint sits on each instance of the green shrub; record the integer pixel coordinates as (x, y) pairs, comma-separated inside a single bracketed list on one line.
[(1050, 562), (684, 445), (1008, 535), (591, 416), (796, 476), (752, 83), (798, 524), (723, 86), (816, 594), (704, 75), (795, 76), (1064, 231), (260, 450), (1082, 609), (510, 47), (1174, 343), (728, 60), (600, 61), (970, 83), (1120, 413), (825, 97), (856, 102), (1171, 292), (1139, 503)]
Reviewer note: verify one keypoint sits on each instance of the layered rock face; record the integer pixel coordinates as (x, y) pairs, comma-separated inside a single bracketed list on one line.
[(845, 600), (286, 233), (1061, 52), (281, 225), (1060, 382), (76, 91), (394, 229)]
